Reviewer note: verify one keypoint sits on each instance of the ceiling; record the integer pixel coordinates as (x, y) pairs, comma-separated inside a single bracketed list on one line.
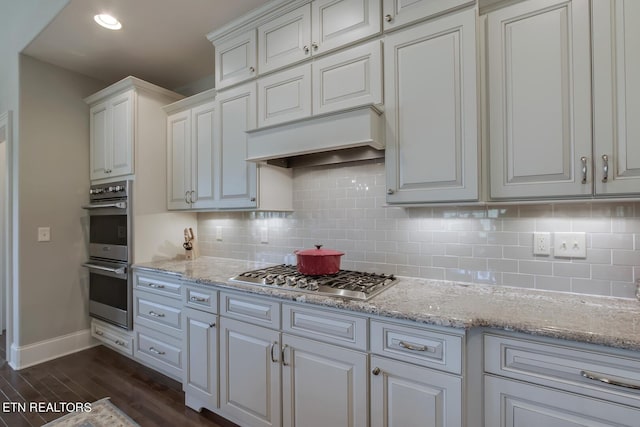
[(161, 41)]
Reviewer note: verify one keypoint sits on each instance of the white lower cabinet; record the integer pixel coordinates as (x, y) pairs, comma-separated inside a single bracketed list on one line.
[(200, 346), (408, 395), (116, 338), (511, 403), (323, 385), (534, 382), (249, 374)]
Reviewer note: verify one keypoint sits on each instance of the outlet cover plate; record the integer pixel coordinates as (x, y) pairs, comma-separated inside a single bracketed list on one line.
[(570, 245), (542, 243)]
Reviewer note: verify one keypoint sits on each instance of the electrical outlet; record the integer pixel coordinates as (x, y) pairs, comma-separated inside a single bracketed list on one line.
[(44, 234), (264, 235), (570, 245), (542, 243), (219, 233)]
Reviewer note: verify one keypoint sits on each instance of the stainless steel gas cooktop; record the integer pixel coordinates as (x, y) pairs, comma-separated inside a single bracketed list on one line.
[(345, 283)]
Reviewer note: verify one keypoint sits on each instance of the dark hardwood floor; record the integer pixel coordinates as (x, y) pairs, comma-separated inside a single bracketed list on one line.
[(151, 399)]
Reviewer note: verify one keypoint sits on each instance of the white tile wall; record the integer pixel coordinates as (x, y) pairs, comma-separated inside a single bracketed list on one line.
[(343, 207)]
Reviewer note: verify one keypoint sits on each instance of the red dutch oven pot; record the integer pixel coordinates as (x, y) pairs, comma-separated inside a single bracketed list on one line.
[(317, 262)]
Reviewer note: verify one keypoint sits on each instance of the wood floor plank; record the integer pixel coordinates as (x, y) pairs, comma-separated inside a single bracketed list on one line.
[(149, 398)]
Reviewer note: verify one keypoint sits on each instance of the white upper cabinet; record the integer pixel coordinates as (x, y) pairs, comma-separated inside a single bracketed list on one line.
[(431, 111), (112, 136), (237, 178), (190, 152), (539, 91), (285, 40), (315, 28), (397, 13), (348, 79), (284, 96), (236, 59), (336, 23), (616, 93)]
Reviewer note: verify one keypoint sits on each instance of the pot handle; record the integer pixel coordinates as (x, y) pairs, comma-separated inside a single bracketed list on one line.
[(318, 246)]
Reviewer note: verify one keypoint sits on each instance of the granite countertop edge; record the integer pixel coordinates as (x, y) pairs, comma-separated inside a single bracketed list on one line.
[(612, 322)]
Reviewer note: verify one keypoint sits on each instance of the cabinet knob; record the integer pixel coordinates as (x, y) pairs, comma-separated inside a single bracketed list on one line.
[(305, 48), (376, 371), (388, 18), (390, 191), (253, 199), (252, 69), (314, 45)]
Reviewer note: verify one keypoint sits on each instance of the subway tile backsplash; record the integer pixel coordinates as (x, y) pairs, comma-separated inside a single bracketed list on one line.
[(343, 207)]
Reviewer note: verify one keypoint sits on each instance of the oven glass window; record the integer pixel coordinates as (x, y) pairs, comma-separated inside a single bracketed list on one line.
[(107, 290), (108, 229)]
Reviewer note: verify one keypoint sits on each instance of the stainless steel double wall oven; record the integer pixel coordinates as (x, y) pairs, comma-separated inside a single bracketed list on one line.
[(110, 253)]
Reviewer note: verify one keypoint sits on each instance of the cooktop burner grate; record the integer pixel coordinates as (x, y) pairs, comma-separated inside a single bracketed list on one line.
[(345, 283)]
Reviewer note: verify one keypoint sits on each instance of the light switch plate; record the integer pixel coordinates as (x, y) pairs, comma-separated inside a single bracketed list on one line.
[(570, 245)]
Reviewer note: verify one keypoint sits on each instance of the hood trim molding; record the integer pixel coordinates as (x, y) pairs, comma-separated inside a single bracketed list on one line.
[(360, 127)]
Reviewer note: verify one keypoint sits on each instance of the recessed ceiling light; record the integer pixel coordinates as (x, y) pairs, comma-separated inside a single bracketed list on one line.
[(107, 21)]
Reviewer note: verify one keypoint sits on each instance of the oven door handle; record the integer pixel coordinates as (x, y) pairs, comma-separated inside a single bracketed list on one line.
[(119, 270), (119, 205)]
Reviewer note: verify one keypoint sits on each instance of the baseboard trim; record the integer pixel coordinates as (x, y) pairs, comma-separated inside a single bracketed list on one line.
[(36, 353)]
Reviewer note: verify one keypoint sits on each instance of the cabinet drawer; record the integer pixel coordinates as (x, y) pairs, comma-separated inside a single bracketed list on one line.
[(201, 299), (251, 309), (565, 367), (324, 325), (420, 346), (157, 284), (121, 341), (159, 351), (155, 311)]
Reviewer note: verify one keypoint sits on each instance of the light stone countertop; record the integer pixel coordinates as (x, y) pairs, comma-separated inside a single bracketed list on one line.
[(613, 322)]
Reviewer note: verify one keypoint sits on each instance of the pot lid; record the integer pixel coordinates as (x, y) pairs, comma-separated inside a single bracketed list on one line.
[(319, 252)]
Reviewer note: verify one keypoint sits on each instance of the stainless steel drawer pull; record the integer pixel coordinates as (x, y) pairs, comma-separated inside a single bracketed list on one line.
[(155, 286), (284, 348), (584, 169), (414, 347), (605, 168), (120, 343), (609, 379), (154, 314), (376, 371), (199, 299), (100, 333), (153, 350), (273, 346)]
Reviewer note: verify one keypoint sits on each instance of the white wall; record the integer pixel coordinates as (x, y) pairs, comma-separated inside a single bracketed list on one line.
[(3, 218), (20, 22), (53, 183), (343, 207)]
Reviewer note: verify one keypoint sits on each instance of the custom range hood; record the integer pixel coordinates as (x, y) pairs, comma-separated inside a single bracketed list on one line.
[(347, 136)]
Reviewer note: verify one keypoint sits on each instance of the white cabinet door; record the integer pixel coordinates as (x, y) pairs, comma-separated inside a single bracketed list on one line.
[(336, 23), (285, 39), (122, 130), (236, 59), (99, 140), (237, 179), (203, 156), (179, 160), (348, 79), (540, 99), (284, 96), (408, 395), (430, 108), (616, 86), (323, 385), (249, 374), (111, 137), (517, 404), (200, 373), (397, 13)]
